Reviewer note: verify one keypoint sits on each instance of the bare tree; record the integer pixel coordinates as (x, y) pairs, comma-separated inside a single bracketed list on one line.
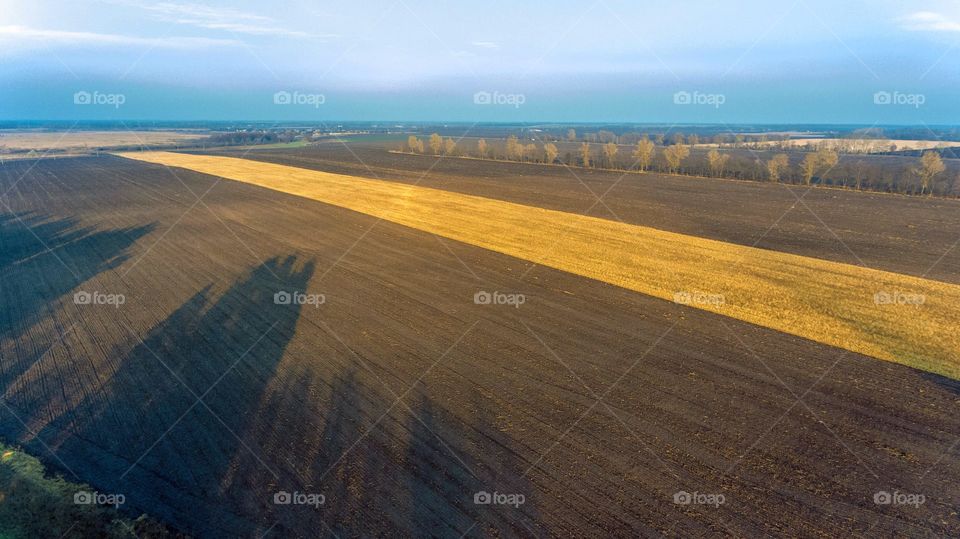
[(449, 146), (777, 165), (858, 174), (828, 159), (808, 167), (514, 148), (823, 160), (606, 136), (931, 166), (644, 152), (675, 155), (717, 161), (415, 144), (550, 152), (693, 139), (530, 152), (482, 148), (571, 135), (436, 144), (585, 154), (609, 153)]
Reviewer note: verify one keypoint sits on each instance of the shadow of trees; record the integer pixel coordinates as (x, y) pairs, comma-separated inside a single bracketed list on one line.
[(412, 474), (197, 428), (41, 261), (168, 426)]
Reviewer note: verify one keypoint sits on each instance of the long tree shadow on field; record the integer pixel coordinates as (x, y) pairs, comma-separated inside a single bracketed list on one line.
[(170, 422), (354, 472), (440, 485), (412, 474), (448, 478), (354, 466), (41, 261)]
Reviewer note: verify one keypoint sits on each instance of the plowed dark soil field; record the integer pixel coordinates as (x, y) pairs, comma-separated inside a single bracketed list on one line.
[(399, 399)]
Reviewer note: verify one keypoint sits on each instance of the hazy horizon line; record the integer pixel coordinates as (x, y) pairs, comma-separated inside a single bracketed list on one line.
[(468, 122)]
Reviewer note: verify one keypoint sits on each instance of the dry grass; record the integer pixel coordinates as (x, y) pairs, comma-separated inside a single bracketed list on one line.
[(824, 301), (78, 141)]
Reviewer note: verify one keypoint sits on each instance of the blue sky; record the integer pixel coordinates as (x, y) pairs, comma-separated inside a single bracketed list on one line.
[(806, 61)]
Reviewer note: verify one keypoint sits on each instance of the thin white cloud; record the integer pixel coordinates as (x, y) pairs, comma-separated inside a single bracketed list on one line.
[(223, 19), (486, 44), (62, 37), (929, 21)]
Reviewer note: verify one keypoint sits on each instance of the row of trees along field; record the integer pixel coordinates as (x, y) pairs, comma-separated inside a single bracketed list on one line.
[(926, 175), (863, 141)]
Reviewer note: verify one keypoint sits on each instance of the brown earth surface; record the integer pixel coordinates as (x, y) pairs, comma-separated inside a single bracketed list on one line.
[(399, 398)]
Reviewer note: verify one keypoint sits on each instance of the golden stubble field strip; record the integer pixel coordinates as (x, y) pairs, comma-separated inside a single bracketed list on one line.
[(886, 315)]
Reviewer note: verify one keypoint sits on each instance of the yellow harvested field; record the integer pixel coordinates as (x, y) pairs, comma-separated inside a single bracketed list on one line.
[(890, 316)]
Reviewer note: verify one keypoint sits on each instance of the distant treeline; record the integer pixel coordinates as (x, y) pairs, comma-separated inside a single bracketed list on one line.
[(923, 175), (250, 137)]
